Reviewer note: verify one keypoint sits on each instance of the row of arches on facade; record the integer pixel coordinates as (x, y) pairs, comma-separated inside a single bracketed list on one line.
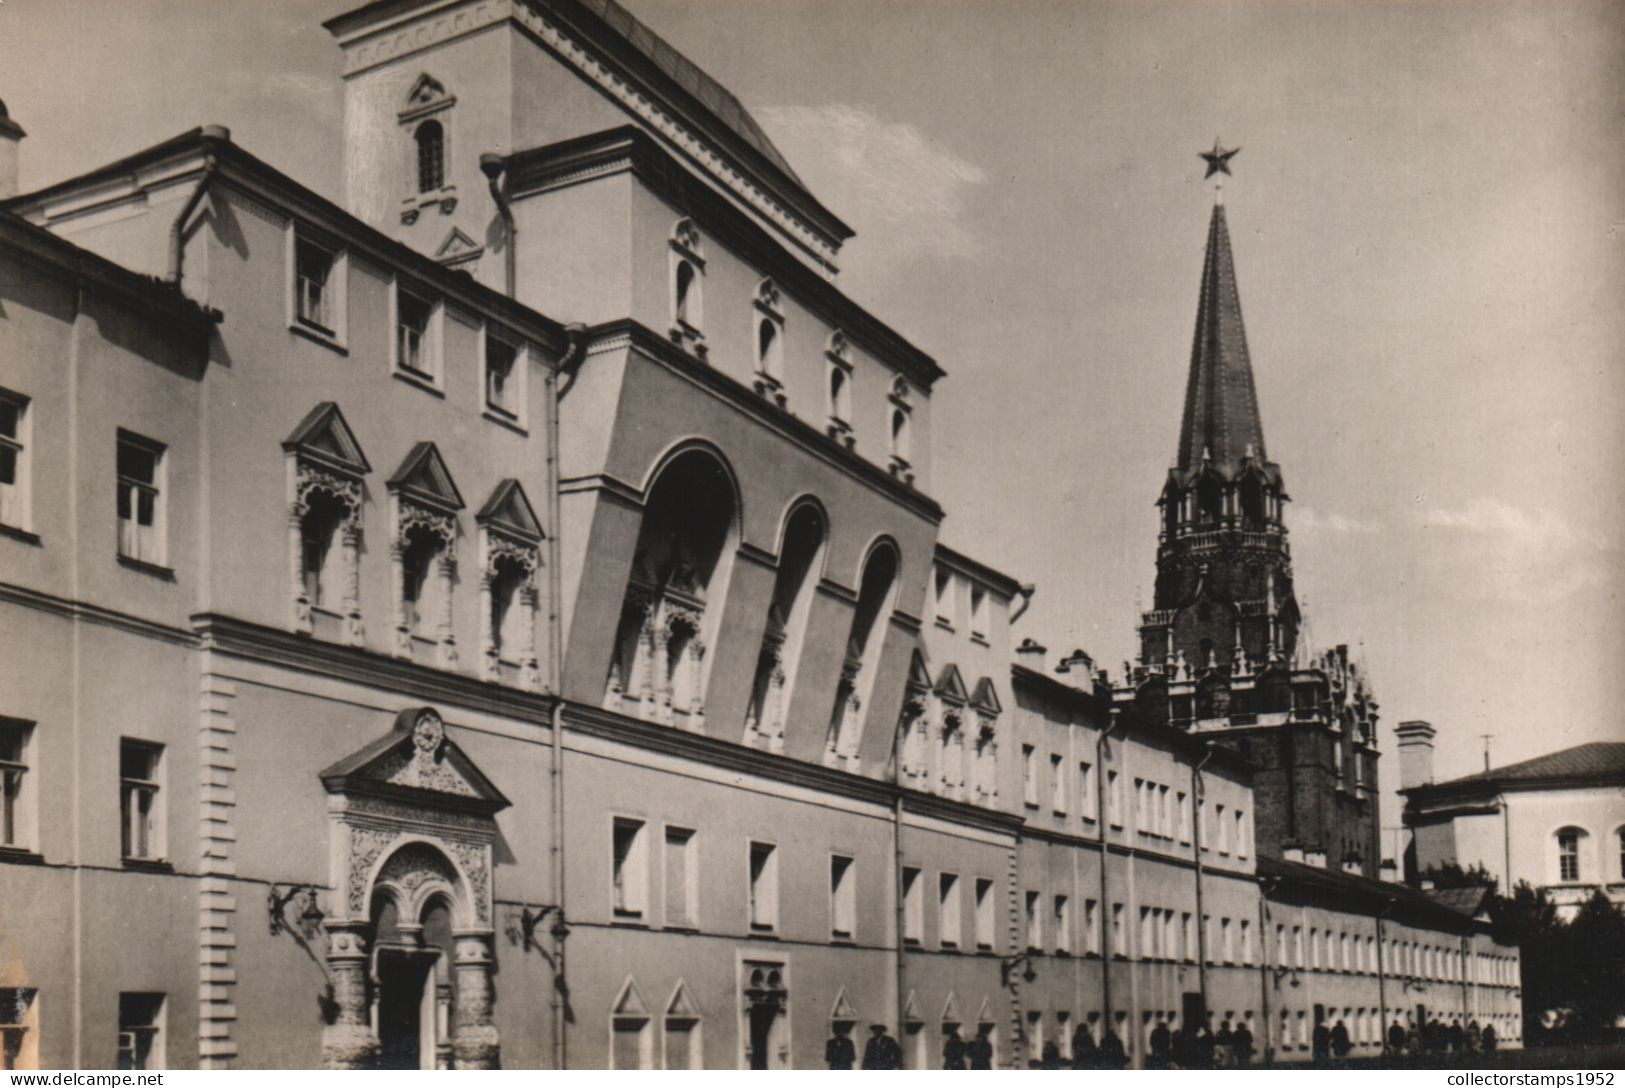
[(679, 579)]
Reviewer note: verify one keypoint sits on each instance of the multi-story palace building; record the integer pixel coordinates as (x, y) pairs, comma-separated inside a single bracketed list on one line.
[(519, 634)]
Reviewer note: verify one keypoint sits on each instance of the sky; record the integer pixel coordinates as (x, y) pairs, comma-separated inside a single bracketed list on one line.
[(1428, 219)]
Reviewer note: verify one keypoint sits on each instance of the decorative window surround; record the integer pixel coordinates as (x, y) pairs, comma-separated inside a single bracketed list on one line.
[(324, 458), (688, 288), (426, 101), (318, 273), (837, 354), (424, 500), (951, 699), (767, 341), (669, 616), (900, 422), (509, 534), (418, 346)]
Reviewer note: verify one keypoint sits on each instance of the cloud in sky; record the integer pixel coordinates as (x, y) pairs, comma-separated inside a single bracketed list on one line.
[(1519, 554), (905, 194), (1307, 518)]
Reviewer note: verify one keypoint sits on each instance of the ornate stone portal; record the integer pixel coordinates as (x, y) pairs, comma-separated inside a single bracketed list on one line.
[(412, 824)]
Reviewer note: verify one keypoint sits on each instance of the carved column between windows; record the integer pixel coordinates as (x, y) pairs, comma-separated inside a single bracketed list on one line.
[(843, 735), (348, 1042), (696, 667), (659, 683), (350, 555), (397, 577), (530, 666), (298, 594), (909, 726), (446, 568), (475, 1043)]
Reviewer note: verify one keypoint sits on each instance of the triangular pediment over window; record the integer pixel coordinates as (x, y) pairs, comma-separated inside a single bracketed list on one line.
[(681, 1004), (416, 762), (951, 686), (986, 697), (426, 91), (984, 1011), (843, 1009), (950, 1010), (457, 246), (911, 1009), (509, 511), (919, 673), (630, 1002), (325, 438), (423, 477)]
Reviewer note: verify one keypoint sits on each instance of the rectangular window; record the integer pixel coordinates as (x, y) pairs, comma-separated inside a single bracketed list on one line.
[(913, 906), (1241, 834), (1165, 814), (501, 377), (1086, 791), (1568, 856), (1063, 925), (1148, 934), (140, 499), (682, 1042), (414, 346), (1170, 936), (630, 1043), (1224, 829), (1119, 938), (1314, 948), (14, 475), (1091, 926), (140, 1031), (1187, 936), (16, 787), (764, 886), (1029, 776), (1246, 942), (950, 926), (680, 885), (629, 868), (1227, 940), (140, 785), (945, 597), (19, 1027), (1035, 923), (1184, 818), (1057, 786), (984, 915), (843, 898), (1114, 799), (314, 286), (1142, 823), (978, 612)]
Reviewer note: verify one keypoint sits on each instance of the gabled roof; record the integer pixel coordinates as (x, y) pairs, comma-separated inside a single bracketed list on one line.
[(1468, 901), (509, 511), (1598, 762), (423, 476), (325, 437), (416, 762), (1221, 420)]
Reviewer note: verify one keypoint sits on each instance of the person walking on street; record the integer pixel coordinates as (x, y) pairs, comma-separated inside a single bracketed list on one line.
[(839, 1051), (1341, 1044), (1204, 1046), (1161, 1047), (882, 1051), (953, 1050), (1396, 1039), (1084, 1054), (1488, 1040), (1112, 1055), (1242, 1046), (1322, 1042), (980, 1049)]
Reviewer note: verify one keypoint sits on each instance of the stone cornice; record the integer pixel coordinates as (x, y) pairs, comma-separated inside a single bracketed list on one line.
[(630, 148), (995, 580), (658, 349), (90, 613)]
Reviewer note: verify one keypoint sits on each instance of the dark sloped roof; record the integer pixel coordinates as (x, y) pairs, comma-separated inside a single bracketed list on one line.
[(688, 75), (1599, 759), (1221, 406), (1467, 901)]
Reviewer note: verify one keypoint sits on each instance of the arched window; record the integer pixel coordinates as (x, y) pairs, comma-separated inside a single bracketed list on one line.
[(899, 434), (862, 650), (687, 283), (767, 347), (804, 535), (684, 289), (418, 588), (431, 141), (510, 575), (769, 341), (1569, 841), (837, 394), (318, 527), (1252, 503), (657, 669)]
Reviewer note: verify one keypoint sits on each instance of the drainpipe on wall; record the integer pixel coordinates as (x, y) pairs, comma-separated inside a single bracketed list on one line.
[(1196, 852), (555, 653), (1382, 990), (1026, 592), (1265, 887), (1106, 950), (493, 166), (897, 880)]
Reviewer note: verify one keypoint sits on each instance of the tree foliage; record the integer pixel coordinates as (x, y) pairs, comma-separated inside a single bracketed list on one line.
[(1571, 971)]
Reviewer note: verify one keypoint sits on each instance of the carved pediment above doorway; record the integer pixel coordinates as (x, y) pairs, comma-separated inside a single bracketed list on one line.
[(416, 762)]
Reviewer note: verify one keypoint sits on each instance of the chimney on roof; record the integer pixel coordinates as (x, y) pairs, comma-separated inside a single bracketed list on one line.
[(1031, 654), (1315, 856), (1292, 852), (1077, 669), (1415, 754), (1351, 865), (1427, 885), (1389, 871), (11, 137)]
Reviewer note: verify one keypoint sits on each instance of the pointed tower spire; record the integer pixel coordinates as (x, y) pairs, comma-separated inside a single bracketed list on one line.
[(1221, 407)]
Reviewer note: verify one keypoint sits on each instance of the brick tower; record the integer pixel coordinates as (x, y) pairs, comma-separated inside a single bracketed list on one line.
[(1219, 649)]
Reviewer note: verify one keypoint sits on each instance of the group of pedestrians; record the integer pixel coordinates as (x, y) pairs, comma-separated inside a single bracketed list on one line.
[(1201, 1048), (883, 1052), (1436, 1039)]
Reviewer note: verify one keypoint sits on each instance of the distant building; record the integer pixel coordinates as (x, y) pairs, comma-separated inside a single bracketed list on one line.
[(1556, 822)]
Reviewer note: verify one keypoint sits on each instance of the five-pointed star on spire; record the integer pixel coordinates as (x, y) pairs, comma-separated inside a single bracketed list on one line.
[(1218, 160)]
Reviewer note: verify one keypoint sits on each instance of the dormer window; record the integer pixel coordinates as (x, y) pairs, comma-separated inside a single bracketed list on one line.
[(769, 342), (431, 141)]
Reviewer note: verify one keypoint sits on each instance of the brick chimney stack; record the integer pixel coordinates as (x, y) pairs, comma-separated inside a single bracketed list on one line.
[(1415, 754)]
